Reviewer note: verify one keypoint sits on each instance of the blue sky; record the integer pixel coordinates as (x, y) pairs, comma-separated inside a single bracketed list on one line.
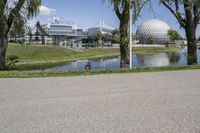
[(87, 13)]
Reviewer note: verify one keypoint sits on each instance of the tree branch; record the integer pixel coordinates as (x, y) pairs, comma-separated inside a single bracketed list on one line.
[(177, 5), (126, 6), (196, 15), (175, 13), (14, 13), (5, 1), (178, 11), (116, 8), (196, 20), (2, 5), (137, 13), (188, 13)]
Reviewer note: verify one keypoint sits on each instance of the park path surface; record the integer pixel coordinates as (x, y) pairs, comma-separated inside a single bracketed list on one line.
[(157, 102)]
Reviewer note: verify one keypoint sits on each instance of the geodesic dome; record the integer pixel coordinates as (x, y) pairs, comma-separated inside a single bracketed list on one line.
[(154, 29)]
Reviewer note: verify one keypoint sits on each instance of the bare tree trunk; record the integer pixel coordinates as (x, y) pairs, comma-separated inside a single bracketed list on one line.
[(30, 39), (124, 49), (190, 29), (3, 43), (192, 46), (43, 39)]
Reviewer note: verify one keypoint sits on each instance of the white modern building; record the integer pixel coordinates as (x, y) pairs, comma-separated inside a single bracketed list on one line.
[(61, 30), (153, 29), (102, 27)]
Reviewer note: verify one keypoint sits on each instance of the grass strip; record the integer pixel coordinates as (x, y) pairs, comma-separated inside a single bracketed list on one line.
[(33, 74)]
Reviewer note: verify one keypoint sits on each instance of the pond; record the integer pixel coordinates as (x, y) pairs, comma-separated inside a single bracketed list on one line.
[(148, 60)]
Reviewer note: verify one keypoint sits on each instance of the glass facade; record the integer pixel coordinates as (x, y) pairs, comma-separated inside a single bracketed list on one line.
[(61, 30)]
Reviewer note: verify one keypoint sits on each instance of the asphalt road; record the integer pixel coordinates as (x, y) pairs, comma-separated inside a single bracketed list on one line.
[(161, 102)]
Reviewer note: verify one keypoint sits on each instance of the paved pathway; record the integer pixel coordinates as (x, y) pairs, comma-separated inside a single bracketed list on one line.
[(162, 102)]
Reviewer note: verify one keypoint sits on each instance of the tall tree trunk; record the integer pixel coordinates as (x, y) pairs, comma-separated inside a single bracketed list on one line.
[(190, 29), (43, 39), (124, 49), (192, 45), (3, 43), (30, 39)]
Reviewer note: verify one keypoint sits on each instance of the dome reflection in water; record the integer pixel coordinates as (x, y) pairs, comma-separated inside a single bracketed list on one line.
[(154, 60)]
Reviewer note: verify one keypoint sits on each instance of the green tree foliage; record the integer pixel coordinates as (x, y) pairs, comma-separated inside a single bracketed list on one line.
[(17, 31), (150, 40), (174, 35), (115, 36), (11, 61), (96, 39), (106, 37), (14, 13), (100, 38), (187, 13), (174, 57)]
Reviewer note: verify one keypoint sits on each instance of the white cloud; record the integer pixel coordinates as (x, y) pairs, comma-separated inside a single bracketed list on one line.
[(46, 11)]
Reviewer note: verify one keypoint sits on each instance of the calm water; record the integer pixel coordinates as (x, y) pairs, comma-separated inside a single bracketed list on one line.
[(150, 60)]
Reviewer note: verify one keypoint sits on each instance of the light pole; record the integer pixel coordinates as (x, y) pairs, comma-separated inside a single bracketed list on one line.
[(130, 33)]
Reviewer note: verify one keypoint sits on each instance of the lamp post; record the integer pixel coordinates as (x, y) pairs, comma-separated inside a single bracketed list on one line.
[(130, 33)]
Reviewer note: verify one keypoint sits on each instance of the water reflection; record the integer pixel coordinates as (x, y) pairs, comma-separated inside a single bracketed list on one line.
[(96, 63), (174, 57), (151, 60)]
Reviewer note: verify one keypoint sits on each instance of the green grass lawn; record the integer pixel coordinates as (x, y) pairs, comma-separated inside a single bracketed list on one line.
[(30, 54), (41, 57), (54, 53), (32, 74)]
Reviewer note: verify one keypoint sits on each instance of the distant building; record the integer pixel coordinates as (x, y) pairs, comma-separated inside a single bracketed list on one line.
[(154, 30), (60, 30), (102, 27)]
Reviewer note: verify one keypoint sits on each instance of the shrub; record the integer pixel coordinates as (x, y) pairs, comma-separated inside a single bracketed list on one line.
[(11, 61), (150, 40)]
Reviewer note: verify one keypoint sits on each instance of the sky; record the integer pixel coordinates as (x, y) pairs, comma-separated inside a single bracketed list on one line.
[(88, 13)]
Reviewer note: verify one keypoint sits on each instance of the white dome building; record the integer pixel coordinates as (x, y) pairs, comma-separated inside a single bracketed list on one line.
[(153, 30)]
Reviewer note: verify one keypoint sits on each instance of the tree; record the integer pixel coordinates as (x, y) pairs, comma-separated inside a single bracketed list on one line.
[(187, 12), (96, 38), (99, 36), (150, 40), (106, 37), (174, 35), (174, 57), (121, 8), (14, 11), (30, 35), (115, 36), (13, 34), (17, 31)]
